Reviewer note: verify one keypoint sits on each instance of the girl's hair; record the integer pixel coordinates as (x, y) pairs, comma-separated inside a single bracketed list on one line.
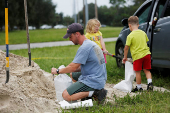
[(133, 20), (91, 24)]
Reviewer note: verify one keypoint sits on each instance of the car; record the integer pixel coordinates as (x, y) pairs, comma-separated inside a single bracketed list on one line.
[(103, 25), (31, 27), (154, 20), (59, 26), (45, 27)]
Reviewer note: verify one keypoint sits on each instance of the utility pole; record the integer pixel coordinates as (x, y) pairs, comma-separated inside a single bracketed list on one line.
[(96, 13), (86, 12), (78, 17), (84, 21), (74, 12)]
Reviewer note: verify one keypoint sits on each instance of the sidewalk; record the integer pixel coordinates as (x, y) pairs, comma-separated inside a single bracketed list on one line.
[(46, 44)]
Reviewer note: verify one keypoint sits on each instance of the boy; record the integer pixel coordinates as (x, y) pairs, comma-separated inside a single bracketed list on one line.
[(137, 42)]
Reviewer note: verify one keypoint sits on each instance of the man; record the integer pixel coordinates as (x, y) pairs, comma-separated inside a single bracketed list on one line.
[(90, 60)]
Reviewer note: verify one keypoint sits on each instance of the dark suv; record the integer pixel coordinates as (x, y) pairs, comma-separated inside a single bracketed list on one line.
[(158, 33)]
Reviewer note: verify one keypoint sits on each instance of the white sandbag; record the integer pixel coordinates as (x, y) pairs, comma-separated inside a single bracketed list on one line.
[(69, 105), (127, 84), (61, 82), (129, 72)]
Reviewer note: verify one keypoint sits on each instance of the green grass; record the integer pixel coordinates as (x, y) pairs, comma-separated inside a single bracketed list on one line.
[(49, 35), (146, 102)]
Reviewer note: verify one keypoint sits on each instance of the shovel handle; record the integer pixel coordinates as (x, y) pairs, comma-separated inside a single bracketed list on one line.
[(114, 56), (129, 59)]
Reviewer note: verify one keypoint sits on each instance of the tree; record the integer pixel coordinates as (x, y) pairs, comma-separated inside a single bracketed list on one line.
[(117, 3), (61, 18), (41, 12), (105, 15), (68, 20), (2, 14), (91, 9), (57, 18)]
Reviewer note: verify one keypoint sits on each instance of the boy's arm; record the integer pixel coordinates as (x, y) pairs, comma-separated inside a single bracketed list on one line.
[(125, 53)]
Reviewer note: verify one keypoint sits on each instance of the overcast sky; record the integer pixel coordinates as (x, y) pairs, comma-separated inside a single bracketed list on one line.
[(66, 6)]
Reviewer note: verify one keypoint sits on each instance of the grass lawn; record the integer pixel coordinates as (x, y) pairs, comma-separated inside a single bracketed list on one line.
[(49, 35), (156, 102)]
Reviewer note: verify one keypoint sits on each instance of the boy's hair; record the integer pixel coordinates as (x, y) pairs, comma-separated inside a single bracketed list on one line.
[(134, 20), (91, 24)]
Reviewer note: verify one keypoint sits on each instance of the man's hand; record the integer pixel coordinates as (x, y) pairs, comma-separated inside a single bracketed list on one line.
[(53, 70)]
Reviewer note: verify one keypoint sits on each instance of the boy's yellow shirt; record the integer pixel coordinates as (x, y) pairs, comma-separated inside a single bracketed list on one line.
[(137, 41), (95, 37)]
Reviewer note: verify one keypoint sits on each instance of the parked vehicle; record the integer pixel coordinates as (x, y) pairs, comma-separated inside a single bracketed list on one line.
[(45, 27), (59, 26), (158, 32), (103, 25), (31, 27)]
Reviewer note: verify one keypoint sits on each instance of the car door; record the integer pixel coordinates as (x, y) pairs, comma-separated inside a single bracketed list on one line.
[(161, 36), (143, 15)]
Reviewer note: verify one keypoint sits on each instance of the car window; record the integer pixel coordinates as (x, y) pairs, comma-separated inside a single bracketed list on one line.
[(167, 11), (143, 13), (160, 8)]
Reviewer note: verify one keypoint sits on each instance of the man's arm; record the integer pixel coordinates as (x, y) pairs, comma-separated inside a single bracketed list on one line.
[(72, 67), (78, 69), (126, 49)]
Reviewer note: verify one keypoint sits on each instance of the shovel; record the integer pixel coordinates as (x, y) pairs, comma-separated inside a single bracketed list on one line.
[(128, 59)]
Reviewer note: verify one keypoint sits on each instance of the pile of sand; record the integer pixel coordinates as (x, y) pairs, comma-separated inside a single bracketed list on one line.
[(31, 89)]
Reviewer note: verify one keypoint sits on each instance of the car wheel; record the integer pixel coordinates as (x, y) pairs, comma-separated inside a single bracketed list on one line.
[(120, 53)]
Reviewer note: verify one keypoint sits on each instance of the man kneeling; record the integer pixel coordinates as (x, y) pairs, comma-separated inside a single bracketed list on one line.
[(90, 61)]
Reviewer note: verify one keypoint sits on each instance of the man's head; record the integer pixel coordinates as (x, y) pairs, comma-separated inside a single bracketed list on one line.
[(73, 28), (133, 22)]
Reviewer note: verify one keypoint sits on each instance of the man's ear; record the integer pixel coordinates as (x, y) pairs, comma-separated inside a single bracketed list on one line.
[(78, 33)]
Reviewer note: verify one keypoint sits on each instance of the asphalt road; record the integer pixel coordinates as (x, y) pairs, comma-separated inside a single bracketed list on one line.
[(46, 44)]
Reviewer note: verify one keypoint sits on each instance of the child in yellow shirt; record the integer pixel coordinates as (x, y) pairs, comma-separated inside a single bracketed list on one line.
[(93, 33), (137, 42)]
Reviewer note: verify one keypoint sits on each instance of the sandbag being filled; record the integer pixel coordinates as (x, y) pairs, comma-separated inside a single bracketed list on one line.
[(61, 82), (127, 84)]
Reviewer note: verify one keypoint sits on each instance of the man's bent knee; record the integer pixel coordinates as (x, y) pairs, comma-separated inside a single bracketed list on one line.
[(66, 95), (72, 77)]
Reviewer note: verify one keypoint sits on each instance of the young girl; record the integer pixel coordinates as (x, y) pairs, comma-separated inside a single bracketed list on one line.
[(93, 33)]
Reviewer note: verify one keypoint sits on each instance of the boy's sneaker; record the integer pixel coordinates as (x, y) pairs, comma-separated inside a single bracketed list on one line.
[(150, 87), (136, 89), (99, 95)]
